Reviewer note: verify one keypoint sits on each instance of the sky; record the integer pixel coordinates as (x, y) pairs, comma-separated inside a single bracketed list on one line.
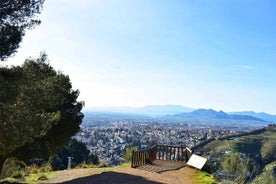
[(200, 54)]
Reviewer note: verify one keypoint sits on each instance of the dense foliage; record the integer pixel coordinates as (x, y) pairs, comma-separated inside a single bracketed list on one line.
[(39, 111), (235, 167), (255, 151), (15, 17), (10, 166), (77, 151), (268, 175), (128, 154)]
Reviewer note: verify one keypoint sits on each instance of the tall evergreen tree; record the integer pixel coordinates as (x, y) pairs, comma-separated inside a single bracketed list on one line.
[(39, 111), (15, 17)]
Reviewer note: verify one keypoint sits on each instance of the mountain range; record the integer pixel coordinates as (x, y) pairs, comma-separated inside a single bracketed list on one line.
[(180, 112), (261, 115), (210, 114)]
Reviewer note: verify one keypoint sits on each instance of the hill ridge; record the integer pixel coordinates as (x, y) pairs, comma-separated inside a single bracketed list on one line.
[(212, 114)]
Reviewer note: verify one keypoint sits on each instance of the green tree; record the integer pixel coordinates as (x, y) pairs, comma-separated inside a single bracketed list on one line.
[(15, 17), (128, 154), (235, 167), (56, 163), (79, 151), (75, 149), (39, 111)]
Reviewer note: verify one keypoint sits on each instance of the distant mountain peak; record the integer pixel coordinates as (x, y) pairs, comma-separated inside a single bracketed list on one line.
[(210, 114), (261, 115)]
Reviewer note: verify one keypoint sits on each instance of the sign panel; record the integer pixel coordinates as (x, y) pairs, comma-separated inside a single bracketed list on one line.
[(197, 161)]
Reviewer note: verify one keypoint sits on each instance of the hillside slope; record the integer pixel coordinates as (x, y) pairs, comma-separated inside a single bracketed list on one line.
[(258, 146), (268, 175), (262, 143)]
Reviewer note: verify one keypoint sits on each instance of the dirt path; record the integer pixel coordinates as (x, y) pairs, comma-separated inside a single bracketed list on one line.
[(125, 175)]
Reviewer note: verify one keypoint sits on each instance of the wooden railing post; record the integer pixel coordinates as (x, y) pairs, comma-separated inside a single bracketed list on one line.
[(188, 153), (174, 153), (132, 159), (160, 152), (169, 153), (182, 154), (155, 153)]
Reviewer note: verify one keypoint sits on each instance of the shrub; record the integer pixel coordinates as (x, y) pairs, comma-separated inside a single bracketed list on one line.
[(102, 164), (202, 177), (32, 169), (46, 168), (56, 163), (42, 177), (18, 174), (83, 166), (128, 154), (11, 166)]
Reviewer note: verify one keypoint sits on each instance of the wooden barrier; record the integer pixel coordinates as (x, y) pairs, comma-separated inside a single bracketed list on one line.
[(160, 152), (142, 157), (173, 153)]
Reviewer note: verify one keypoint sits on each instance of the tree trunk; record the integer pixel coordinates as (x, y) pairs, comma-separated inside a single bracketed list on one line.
[(2, 160)]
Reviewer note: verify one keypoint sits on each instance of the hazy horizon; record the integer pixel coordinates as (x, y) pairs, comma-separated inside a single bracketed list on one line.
[(192, 109), (201, 54)]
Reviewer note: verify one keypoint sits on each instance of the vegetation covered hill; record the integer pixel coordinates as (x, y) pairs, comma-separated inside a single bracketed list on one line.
[(262, 143), (268, 175), (256, 150)]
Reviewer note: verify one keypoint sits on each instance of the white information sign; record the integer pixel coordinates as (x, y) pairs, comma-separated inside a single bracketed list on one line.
[(197, 161)]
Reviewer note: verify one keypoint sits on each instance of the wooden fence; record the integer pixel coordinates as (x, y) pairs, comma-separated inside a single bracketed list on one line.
[(142, 157), (174, 153), (160, 152)]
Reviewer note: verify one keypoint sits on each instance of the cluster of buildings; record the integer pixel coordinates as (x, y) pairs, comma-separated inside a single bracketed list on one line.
[(109, 142)]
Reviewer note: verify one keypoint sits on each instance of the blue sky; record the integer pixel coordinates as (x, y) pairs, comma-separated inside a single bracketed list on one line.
[(201, 54)]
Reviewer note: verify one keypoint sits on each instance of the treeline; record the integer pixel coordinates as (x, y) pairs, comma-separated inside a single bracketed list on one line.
[(78, 153), (76, 150), (80, 156)]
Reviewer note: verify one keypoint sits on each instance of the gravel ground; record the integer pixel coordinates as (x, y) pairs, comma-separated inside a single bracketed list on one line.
[(125, 175)]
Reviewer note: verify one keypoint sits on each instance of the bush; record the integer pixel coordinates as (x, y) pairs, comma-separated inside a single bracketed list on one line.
[(102, 164), (128, 154), (202, 177), (56, 163), (18, 174), (42, 177), (12, 166), (45, 168), (235, 167), (32, 169), (83, 166)]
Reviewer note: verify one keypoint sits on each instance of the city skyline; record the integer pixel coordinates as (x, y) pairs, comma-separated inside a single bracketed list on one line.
[(211, 54)]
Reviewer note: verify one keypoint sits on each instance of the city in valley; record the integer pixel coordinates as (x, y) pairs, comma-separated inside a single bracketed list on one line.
[(109, 139), (208, 133)]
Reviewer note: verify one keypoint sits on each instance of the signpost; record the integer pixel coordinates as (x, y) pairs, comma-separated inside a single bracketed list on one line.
[(69, 162), (197, 161)]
